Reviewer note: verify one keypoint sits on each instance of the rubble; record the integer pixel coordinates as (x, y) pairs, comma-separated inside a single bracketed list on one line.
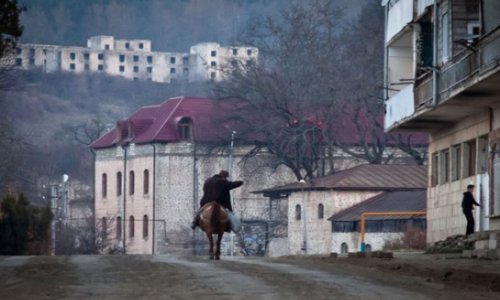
[(452, 244)]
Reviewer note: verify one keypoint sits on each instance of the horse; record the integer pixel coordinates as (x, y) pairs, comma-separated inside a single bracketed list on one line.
[(213, 220)]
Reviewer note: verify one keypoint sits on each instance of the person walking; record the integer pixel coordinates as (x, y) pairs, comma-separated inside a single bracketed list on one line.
[(217, 188), (468, 203)]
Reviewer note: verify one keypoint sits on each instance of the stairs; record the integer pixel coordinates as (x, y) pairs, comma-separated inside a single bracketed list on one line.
[(486, 245)]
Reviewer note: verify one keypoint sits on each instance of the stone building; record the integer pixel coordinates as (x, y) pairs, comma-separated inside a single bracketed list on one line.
[(134, 59), (150, 170), (310, 204), (442, 77)]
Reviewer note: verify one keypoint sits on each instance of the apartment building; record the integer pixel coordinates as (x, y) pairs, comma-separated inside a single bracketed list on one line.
[(442, 76), (134, 59)]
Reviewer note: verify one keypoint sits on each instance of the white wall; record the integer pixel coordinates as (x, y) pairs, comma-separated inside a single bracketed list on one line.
[(399, 16)]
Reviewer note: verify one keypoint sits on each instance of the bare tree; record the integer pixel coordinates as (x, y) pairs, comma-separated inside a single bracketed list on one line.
[(282, 96)]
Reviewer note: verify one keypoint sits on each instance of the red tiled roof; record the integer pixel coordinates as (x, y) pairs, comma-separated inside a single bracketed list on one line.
[(364, 177), (400, 201), (158, 123)]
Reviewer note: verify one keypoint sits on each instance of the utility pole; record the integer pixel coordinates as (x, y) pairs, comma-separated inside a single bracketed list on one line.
[(304, 217), (230, 170)]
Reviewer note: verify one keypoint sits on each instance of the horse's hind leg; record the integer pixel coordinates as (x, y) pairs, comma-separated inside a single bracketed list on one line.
[(210, 245), (217, 251)]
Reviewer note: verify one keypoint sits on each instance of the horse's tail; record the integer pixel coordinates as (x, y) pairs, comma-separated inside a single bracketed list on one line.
[(215, 219)]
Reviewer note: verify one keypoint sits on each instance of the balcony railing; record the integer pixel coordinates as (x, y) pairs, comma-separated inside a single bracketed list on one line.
[(462, 70)]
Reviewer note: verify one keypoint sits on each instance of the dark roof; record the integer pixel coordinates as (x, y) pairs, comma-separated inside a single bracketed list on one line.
[(159, 123), (386, 202), (363, 177)]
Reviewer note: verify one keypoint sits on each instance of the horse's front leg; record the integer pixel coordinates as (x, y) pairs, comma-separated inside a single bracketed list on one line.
[(210, 245), (217, 251)]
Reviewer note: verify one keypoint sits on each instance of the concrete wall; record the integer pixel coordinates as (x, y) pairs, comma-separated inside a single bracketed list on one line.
[(376, 240)]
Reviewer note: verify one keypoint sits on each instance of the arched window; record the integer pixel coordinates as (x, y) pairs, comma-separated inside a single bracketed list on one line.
[(131, 188), (344, 248), (131, 226), (185, 129), (145, 226), (119, 227), (119, 183), (368, 248), (298, 212), (104, 227), (146, 182), (104, 185), (321, 211)]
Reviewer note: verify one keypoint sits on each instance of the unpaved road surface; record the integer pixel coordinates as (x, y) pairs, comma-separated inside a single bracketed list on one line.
[(170, 277)]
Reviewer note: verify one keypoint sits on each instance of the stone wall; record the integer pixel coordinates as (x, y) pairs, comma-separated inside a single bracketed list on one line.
[(353, 240)]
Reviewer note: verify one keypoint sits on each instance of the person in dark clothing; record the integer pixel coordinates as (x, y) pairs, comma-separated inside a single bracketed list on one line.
[(468, 203), (217, 188)]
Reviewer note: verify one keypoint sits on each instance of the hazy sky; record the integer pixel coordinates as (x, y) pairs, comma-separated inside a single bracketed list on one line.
[(172, 25)]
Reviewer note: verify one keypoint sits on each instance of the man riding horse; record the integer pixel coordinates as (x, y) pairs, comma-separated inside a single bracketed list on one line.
[(217, 188)]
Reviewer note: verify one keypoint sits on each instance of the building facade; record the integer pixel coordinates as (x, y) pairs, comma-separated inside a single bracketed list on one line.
[(134, 59), (442, 76)]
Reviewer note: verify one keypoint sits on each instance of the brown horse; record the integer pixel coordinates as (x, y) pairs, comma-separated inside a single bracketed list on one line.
[(213, 220)]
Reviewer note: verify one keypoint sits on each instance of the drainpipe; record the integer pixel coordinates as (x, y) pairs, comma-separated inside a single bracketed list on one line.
[(124, 197), (195, 194), (154, 200), (435, 92), (386, 58), (93, 192)]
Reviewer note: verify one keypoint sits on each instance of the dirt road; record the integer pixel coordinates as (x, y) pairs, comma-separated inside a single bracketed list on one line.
[(169, 277)]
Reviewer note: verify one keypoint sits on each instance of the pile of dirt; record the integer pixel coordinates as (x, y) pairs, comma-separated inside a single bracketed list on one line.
[(452, 244)]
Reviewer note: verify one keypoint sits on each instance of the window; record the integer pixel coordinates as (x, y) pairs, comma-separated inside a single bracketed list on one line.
[(368, 248), (444, 167), (122, 58), (106, 47), (456, 162), (136, 69), (104, 227), (141, 45), (71, 66), (185, 60), (104, 183), (298, 212), (145, 225), (19, 61), (149, 69), (473, 31), (118, 227), (482, 155), (100, 56), (146, 182), (149, 59), (234, 63), (185, 71), (72, 56), (344, 248), (249, 51), (19, 51), (172, 70), (249, 63), (122, 68), (32, 61), (131, 188), (32, 52), (172, 60), (445, 36), (321, 211), (136, 58), (213, 64), (213, 53), (235, 51), (131, 227), (212, 75), (86, 67), (185, 129), (119, 183), (127, 45), (469, 162), (100, 67)]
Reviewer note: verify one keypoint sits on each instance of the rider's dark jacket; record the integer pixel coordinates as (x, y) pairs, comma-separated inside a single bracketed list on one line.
[(216, 188)]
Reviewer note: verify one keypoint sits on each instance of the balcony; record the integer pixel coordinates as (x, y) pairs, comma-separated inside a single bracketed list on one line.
[(399, 107), (467, 84)]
